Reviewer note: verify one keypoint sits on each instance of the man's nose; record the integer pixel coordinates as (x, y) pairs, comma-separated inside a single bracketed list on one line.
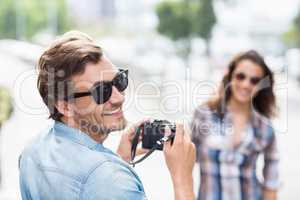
[(116, 96)]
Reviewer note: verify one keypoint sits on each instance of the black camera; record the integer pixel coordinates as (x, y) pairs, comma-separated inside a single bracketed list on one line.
[(153, 137), (152, 132)]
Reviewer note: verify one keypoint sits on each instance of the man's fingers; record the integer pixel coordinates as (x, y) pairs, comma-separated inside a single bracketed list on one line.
[(141, 151), (179, 133), (141, 122), (167, 145), (134, 126), (187, 133)]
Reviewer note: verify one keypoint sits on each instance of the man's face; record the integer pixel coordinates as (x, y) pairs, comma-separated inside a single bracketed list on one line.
[(90, 115)]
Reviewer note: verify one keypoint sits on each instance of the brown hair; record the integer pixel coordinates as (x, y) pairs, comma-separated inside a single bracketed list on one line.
[(263, 101), (65, 58)]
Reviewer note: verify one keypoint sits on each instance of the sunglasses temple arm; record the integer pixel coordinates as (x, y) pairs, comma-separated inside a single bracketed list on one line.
[(80, 94)]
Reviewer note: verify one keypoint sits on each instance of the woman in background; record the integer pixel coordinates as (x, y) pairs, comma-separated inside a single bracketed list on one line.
[(232, 130)]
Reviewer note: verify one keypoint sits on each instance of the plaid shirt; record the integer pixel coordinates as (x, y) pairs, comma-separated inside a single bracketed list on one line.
[(228, 172)]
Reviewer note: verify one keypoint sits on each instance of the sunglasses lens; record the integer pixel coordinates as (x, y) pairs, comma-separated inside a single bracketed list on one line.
[(240, 76), (121, 81), (254, 80), (102, 92)]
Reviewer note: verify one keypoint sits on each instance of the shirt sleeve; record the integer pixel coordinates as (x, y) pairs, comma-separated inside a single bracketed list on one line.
[(271, 160), (112, 181)]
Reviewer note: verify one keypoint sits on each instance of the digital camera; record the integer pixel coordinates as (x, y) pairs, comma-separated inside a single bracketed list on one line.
[(154, 131), (153, 137)]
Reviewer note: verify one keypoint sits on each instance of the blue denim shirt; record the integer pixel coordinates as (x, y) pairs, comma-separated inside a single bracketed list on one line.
[(65, 164)]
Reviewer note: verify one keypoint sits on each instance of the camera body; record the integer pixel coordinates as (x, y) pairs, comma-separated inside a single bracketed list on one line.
[(153, 137), (154, 131)]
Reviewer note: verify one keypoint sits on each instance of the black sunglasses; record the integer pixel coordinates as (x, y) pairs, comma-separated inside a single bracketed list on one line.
[(253, 80), (101, 91)]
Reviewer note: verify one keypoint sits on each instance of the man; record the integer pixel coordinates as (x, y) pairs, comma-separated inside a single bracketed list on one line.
[(84, 93)]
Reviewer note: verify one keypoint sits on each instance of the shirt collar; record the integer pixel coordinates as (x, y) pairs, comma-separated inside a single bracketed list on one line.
[(255, 119), (76, 135)]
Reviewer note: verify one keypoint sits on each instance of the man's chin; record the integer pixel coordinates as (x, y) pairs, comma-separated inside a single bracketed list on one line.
[(120, 125)]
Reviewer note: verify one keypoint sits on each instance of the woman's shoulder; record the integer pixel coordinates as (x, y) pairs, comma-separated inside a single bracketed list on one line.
[(202, 117), (206, 111), (203, 109)]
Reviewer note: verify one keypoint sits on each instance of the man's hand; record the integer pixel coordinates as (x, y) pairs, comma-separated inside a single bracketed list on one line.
[(124, 149), (180, 159), (269, 194)]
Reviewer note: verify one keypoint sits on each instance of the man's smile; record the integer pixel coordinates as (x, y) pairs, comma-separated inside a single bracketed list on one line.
[(117, 112)]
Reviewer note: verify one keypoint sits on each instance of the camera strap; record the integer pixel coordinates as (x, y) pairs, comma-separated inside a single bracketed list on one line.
[(135, 143), (133, 163)]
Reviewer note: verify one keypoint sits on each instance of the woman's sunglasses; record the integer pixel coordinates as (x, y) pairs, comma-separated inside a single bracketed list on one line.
[(101, 91), (253, 80)]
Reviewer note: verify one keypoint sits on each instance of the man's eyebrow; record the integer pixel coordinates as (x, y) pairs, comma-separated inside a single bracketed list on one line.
[(82, 87)]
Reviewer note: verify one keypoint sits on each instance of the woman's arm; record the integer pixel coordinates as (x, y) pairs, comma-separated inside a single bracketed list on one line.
[(270, 170)]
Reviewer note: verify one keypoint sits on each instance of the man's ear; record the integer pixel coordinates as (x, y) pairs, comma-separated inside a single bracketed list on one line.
[(65, 108)]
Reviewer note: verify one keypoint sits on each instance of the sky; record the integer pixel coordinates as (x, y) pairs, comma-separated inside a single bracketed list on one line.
[(278, 9), (275, 15)]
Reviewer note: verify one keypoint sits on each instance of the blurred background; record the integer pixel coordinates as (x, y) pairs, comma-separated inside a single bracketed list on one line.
[(176, 51)]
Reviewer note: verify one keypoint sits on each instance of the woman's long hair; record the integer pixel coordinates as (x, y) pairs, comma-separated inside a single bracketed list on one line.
[(263, 101)]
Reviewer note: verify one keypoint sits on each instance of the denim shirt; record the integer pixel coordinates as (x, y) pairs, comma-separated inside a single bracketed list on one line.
[(64, 163)]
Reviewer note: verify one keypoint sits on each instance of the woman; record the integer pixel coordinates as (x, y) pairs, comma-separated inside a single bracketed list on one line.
[(232, 130)]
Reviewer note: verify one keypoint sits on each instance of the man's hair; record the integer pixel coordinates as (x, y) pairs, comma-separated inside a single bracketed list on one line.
[(66, 57)]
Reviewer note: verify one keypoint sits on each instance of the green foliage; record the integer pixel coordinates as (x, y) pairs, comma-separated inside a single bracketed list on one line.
[(7, 19), (183, 19), (33, 16), (173, 20), (292, 37), (6, 105), (205, 19), (64, 22)]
